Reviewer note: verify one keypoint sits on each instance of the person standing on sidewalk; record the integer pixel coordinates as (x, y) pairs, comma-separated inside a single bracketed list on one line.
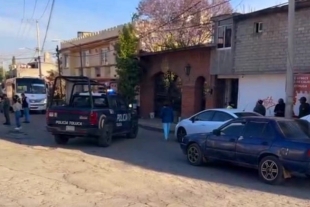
[(25, 105), (17, 107), (6, 109), (166, 115)]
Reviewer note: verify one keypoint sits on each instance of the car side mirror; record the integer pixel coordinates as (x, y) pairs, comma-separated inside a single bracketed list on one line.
[(217, 132)]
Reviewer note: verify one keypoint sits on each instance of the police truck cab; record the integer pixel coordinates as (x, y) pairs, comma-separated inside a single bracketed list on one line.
[(90, 114)]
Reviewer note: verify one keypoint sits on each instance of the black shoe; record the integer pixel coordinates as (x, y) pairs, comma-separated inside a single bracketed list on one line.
[(26, 122), (8, 124)]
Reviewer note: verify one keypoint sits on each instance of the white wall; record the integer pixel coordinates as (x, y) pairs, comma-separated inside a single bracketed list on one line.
[(254, 87)]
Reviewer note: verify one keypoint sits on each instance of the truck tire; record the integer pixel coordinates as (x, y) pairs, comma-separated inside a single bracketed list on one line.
[(61, 139), (134, 129), (105, 137)]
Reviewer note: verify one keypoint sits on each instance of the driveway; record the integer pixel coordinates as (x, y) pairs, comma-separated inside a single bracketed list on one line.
[(146, 171)]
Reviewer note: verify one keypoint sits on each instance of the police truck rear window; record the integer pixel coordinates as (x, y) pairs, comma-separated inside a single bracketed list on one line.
[(84, 102)]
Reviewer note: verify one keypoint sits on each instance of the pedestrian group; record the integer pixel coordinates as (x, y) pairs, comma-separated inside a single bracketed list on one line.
[(20, 107)]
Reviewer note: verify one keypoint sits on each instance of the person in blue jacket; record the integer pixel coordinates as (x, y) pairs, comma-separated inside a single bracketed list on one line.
[(166, 115)]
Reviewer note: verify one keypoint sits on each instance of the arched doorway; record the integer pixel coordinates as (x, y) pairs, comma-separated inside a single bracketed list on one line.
[(167, 88), (200, 97)]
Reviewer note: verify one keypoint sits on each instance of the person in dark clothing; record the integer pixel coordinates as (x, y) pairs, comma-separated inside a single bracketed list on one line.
[(304, 108), (25, 105), (279, 110), (166, 115), (6, 110), (260, 108)]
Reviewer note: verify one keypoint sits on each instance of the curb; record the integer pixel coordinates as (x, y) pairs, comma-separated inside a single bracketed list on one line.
[(156, 129)]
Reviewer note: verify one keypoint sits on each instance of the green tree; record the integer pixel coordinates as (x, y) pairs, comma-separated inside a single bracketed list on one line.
[(127, 63)]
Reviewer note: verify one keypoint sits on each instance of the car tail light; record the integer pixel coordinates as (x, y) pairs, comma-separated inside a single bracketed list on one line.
[(93, 118), (308, 153), (51, 114)]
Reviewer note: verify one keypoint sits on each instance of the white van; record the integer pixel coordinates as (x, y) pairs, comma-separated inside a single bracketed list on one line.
[(35, 89)]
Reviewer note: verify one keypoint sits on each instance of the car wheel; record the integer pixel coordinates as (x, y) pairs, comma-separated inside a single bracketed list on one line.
[(271, 170), (43, 112), (61, 139), (194, 155), (181, 133), (133, 131), (307, 175), (105, 138)]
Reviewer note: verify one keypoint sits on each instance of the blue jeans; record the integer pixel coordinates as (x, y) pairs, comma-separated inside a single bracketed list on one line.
[(166, 128), (26, 114), (17, 118)]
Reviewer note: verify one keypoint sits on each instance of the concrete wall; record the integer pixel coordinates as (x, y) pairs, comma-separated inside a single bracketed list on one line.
[(266, 52)]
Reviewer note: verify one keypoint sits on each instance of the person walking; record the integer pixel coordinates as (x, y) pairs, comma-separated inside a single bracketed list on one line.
[(260, 108), (166, 115), (279, 110), (17, 107), (6, 109), (25, 105), (304, 108)]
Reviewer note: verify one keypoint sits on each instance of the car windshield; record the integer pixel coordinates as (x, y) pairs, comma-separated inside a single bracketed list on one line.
[(295, 129), (30, 86), (245, 114), (84, 102)]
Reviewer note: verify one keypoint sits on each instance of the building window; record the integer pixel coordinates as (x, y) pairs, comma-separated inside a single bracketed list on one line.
[(66, 61), (258, 27), (104, 56), (86, 58), (224, 36), (98, 72)]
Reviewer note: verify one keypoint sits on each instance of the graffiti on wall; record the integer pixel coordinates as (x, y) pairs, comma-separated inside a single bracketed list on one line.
[(269, 102)]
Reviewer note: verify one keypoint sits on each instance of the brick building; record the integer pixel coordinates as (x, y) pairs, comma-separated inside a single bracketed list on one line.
[(191, 66), (251, 54)]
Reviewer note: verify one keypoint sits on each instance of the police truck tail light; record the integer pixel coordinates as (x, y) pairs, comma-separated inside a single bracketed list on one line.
[(52, 114), (93, 118)]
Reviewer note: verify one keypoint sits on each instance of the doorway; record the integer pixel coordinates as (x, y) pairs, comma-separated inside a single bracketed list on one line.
[(234, 90)]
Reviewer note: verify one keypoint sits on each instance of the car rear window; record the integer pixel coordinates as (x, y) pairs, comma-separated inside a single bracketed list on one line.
[(84, 102), (245, 114), (294, 129)]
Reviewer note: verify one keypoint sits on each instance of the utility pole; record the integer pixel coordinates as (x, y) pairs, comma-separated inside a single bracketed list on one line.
[(58, 60), (81, 61), (39, 49), (290, 61)]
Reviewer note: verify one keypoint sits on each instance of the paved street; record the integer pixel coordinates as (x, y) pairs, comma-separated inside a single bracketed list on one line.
[(131, 173)]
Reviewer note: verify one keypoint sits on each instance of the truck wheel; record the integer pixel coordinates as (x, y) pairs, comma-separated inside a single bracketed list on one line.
[(61, 139), (105, 138), (133, 131)]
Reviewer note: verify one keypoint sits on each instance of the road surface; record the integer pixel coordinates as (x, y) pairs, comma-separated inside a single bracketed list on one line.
[(145, 172)]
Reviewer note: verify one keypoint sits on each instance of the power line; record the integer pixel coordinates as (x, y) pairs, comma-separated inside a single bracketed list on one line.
[(34, 9), (173, 19), (45, 9), (48, 24), (22, 20)]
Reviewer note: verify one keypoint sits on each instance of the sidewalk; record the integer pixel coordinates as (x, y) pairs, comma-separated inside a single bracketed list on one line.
[(154, 125)]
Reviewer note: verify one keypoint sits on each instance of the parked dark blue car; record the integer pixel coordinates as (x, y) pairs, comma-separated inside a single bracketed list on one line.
[(277, 147)]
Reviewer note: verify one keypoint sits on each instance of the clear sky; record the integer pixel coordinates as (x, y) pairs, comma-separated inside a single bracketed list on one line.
[(69, 17)]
